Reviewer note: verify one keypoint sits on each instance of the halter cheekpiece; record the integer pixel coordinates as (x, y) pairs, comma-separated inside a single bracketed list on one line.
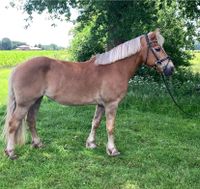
[(158, 61)]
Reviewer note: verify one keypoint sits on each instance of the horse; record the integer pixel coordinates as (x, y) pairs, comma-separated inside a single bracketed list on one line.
[(101, 81)]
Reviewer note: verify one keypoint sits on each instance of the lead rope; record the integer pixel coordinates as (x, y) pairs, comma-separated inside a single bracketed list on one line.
[(163, 78), (175, 102)]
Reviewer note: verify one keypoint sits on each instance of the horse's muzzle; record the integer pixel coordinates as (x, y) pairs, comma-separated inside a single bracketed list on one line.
[(168, 70)]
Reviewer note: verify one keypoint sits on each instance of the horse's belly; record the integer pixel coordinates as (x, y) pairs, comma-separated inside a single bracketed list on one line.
[(74, 98), (75, 101)]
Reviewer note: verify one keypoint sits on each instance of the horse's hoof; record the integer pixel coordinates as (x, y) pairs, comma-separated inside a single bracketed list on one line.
[(112, 152), (91, 145), (10, 154), (37, 145), (13, 157)]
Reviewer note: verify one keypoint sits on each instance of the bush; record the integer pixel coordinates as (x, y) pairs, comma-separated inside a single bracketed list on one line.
[(84, 45), (148, 93)]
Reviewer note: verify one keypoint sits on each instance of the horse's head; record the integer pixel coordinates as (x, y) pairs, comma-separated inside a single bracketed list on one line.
[(155, 55)]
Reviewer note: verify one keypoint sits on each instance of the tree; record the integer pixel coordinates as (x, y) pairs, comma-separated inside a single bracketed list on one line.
[(120, 21), (87, 42), (15, 44), (197, 46), (6, 44), (102, 25)]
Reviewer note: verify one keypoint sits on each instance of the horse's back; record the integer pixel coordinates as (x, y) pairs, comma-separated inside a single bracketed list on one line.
[(65, 82)]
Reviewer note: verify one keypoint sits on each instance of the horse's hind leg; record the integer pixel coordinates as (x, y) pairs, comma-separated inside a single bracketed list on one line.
[(15, 133), (90, 143), (31, 121)]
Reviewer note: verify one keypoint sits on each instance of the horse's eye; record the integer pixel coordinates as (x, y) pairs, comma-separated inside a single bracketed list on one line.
[(158, 49)]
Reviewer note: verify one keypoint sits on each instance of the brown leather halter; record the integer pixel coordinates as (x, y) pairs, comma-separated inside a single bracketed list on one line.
[(158, 61)]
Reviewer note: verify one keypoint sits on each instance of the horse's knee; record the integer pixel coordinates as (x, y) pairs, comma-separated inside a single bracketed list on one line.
[(30, 118), (13, 125), (95, 123), (97, 117), (110, 130), (30, 121)]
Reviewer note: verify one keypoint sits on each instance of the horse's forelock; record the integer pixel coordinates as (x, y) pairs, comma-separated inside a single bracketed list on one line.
[(160, 38)]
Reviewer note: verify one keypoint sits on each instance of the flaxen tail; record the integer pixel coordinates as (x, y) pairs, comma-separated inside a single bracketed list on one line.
[(11, 106)]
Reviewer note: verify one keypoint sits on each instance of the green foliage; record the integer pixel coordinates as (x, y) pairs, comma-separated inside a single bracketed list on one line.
[(102, 25), (195, 62), (49, 47), (184, 86), (123, 20), (84, 44), (15, 44), (58, 9), (6, 44), (114, 21), (197, 46)]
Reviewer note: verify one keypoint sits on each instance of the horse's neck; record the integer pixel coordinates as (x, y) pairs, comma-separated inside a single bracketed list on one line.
[(131, 64)]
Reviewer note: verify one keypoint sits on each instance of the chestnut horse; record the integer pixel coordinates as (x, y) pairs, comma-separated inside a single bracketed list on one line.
[(102, 80)]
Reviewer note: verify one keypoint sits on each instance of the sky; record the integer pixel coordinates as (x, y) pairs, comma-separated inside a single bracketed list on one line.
[(12, 25)]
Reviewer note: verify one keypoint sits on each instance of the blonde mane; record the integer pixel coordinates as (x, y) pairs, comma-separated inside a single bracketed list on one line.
[(120, 52)]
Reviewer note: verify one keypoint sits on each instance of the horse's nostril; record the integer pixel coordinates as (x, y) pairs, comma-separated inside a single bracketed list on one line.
[(168, 71)]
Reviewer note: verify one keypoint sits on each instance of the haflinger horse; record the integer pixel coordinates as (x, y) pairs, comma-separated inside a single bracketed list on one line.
[(102, 80)]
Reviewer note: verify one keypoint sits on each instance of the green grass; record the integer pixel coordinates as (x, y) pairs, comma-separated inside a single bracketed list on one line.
[(4, 76), (157, 152), (14, 57), (159, 146)]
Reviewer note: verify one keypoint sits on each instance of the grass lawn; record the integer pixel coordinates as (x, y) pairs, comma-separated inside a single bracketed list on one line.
[(12, 57), (157, 151), (159, 146)]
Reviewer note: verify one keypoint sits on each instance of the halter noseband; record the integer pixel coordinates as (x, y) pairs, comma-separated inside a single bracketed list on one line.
[(158, 61)]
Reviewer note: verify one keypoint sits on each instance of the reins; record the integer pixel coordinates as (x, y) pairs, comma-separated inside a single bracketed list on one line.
[(173, 99), (159, 61)]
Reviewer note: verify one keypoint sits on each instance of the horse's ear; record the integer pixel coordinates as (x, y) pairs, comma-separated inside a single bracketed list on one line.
[(157, 30)]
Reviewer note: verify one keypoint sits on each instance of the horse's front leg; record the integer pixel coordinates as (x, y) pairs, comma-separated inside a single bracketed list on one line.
[(90, 143), (111, 110)]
